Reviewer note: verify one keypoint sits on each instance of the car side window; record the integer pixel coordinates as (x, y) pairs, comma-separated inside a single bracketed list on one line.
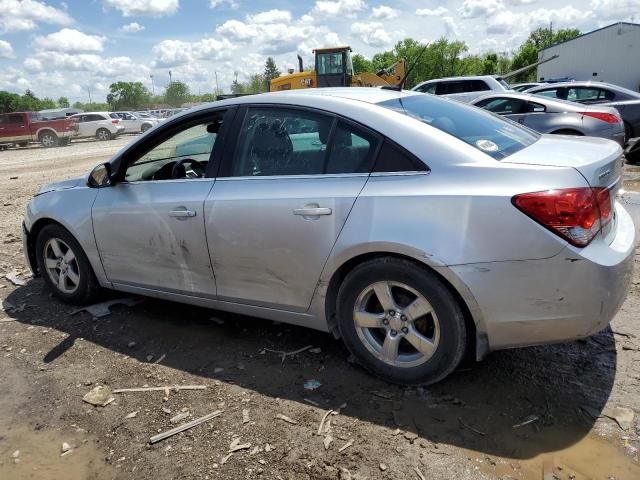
[(393, 158), (281, 141), (534, 107), (504, 106), (551, 93), (477, 86), (431, 88), (352, 150), (15, 119), (184, 155)]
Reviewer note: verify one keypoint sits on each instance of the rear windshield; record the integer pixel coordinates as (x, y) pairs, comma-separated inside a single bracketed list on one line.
[(488, 133)]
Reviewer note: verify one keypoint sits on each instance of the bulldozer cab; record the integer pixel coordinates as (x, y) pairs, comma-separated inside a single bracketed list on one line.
[(334, 67)]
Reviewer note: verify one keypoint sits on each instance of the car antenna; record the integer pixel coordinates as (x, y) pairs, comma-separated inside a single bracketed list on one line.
[(400, 85)]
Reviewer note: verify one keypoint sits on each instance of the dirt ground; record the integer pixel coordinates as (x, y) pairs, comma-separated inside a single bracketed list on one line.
[(468, 426)]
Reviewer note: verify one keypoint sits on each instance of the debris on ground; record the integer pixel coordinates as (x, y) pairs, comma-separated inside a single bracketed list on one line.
[(99, 396), (226, 458), (312, 384), (527, 421), (16, 456), (419, 473), (132, 414), (186, 426), (471, 428), (383, 466), (288, 354), (65, 449), (383, 394), (327, 441), (286, 419), (345, 446), (245, 416), (13, 278), (311, 402), (236, 446), (160, 358), (179, 417), (131, 344), (623, 416), (175, 388), (103, 309), (315, 350), (217, 320), (324, 419)]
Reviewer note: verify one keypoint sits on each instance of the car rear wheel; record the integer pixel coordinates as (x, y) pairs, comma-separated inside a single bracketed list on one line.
[(65, 267), (48, 139), (103, 134), (401, 322)]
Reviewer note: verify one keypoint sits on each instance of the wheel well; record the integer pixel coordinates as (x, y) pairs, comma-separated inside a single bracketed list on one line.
[(36, 228), (567, 131), (46, 130), (341, 273)]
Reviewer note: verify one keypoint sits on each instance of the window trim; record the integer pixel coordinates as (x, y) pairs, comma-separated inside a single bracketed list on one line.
[(225, 169)]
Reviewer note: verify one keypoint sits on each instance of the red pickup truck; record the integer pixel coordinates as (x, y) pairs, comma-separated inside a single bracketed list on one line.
[(21, 128)]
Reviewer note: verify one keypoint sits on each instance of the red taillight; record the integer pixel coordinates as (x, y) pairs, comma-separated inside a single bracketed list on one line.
[(575, 214), (605, 117), (115, 121)]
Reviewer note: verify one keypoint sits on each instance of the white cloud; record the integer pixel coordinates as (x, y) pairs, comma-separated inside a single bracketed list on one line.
[(272, 16), (616, 9), (238, 30), (70, 40), (506, 21), (148, 8), (173, 53), (6, 50), (372, 33), (479, 8), (18, 16), (432, 12), (384, 13), (217, 3), (133, 27), (348, 8), (450, 28), (32, 65)]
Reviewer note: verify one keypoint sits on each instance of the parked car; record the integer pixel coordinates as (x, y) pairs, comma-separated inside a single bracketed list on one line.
[(101, 125), (626, 101), (547, 115), (463, 89), (521, 87), (135, 122), (413, 227), (20, 128)]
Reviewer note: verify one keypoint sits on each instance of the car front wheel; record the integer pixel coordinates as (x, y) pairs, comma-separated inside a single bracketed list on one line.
[(65, 267), (401, 322), (48, 139)]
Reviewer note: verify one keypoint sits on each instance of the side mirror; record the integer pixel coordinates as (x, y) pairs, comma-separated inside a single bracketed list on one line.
[(100, 176)]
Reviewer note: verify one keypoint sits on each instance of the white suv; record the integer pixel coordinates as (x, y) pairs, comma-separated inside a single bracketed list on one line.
[(463, 89), (101, 125)]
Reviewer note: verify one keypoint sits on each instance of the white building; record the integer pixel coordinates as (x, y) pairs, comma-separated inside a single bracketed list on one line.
[(610, 54)]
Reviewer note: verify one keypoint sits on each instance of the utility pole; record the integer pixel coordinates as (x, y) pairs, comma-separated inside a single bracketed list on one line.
[(153, 87), (89, 92), (170, 81), (217, 86)]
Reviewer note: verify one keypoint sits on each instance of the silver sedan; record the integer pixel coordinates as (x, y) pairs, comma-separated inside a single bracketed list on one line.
[(415, 228), (548, 115)]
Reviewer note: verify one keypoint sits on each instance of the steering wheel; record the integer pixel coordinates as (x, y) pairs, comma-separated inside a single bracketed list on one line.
[(179, 171)]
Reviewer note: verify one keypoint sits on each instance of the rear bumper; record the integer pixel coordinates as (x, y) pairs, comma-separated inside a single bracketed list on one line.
[(566, 297)]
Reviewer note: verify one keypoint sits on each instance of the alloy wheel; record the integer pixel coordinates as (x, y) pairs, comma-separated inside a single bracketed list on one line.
[(396, 324), (62, 265), (48, 140)]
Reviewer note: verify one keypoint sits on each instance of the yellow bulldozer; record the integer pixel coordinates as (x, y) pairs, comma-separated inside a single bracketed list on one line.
[(334, 68)]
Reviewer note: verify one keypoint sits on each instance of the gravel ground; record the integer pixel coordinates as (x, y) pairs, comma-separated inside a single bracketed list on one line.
[(464, 427)]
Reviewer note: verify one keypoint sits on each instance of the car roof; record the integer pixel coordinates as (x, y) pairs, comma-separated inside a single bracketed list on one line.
[(562, 105), (91, 113)]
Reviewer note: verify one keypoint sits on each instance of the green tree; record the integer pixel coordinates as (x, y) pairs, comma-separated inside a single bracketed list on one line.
[(177, 93), (490, 64), (46, 103), (238, 87), (128, 95), (9, 102), (256, 84), (538, 40), (361, 64), (63, 102), (270, 70)]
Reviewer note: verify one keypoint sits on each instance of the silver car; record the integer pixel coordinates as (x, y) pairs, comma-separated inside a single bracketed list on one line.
[(415, 228), (547, 115), (136, 123)]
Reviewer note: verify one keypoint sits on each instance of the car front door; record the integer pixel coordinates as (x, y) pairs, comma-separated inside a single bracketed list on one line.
[(150, 225), (280, 202)]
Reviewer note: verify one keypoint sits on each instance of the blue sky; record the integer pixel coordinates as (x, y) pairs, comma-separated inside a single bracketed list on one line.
[(68, 48)]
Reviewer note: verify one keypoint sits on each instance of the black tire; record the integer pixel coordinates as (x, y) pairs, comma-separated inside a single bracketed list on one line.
[(88, 289), (451, 344), (48, 139), (103, 134), (628, 132), (145, 127)]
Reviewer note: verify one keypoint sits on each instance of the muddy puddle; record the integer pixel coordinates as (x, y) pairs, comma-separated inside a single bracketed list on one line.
[(591, 458), (28, 454)]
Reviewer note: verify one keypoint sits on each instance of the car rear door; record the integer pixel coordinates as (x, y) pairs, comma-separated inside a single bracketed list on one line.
[(14, 128), (282, 196), (511, 108), (150, 226)]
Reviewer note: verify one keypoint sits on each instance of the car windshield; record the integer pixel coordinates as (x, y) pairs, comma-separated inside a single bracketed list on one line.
[(487, 132)]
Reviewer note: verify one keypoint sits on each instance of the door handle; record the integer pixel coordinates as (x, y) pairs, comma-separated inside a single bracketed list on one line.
[(182, 213), (312, 211)]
